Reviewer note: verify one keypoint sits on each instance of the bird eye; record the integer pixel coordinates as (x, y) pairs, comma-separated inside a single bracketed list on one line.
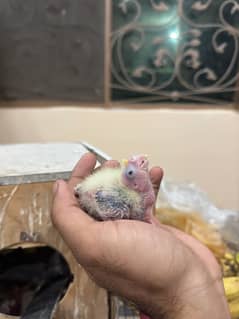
[(130, 173)]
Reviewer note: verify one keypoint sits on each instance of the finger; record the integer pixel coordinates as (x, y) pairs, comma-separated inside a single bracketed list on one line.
[(108, 164), (75, 226), (156, 175), (111, 163), (83, 168)]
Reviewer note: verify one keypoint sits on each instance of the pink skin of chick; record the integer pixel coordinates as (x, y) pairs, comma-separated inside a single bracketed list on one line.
[(136, 177), (141, 161)]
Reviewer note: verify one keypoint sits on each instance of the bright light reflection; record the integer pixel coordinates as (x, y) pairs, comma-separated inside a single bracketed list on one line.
[(174, 35)]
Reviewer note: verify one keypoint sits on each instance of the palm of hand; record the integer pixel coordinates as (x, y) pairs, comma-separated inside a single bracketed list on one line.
[(118, 255), (131, 231)]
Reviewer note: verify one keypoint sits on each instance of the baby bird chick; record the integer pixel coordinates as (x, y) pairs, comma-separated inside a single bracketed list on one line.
[(118, 193)]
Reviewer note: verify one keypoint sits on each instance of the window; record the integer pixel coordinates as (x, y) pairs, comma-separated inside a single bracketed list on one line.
[(160, 51), (185, 50)]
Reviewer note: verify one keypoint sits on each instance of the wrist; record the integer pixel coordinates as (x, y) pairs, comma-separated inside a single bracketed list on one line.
[(202, 296), (197, 294)]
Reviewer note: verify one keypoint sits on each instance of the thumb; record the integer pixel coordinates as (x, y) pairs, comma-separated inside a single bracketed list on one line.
[(64, 203), (75, 226)]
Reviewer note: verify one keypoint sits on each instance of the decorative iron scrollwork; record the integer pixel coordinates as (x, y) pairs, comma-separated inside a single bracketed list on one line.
[(175, 50)]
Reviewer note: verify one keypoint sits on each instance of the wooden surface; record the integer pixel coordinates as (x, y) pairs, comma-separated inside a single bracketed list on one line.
[(26, 209)]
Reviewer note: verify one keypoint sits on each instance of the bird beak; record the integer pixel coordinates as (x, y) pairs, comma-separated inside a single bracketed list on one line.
[(125, 162)]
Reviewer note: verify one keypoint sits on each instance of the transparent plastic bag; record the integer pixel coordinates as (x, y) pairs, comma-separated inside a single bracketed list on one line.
[(187, 197)]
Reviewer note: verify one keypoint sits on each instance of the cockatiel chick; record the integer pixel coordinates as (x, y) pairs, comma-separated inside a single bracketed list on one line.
[(118, 193)]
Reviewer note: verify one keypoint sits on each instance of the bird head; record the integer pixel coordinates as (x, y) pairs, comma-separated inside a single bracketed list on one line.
[(141, 161), (134, 175)]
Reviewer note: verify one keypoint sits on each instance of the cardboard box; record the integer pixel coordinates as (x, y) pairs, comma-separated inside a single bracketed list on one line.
[(38, 274)]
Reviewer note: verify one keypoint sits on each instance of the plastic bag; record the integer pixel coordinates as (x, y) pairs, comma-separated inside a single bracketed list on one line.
[(187, 197)]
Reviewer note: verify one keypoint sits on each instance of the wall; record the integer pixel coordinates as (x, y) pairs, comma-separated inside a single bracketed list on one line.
[(195, 145)]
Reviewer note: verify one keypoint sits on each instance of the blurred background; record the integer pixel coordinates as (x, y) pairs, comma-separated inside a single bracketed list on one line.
[(128, 76)]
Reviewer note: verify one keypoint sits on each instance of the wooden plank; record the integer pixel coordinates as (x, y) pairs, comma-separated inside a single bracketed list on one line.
[(25, 209)]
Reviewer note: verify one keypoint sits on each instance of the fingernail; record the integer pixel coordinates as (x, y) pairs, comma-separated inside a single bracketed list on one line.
[(55, 187)]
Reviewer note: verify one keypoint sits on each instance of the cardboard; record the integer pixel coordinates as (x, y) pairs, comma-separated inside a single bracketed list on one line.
[(25, 222)]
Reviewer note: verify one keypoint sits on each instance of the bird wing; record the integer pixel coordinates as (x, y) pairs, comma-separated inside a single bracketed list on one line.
[(113, 204)]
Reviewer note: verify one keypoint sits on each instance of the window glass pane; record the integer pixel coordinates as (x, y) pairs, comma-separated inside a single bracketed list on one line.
[(185, 50)]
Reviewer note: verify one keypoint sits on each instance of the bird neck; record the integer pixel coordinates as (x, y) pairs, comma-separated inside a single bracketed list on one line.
[(149, 197)]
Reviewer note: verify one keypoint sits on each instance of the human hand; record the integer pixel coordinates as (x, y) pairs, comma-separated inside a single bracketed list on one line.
[(165, 272)]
